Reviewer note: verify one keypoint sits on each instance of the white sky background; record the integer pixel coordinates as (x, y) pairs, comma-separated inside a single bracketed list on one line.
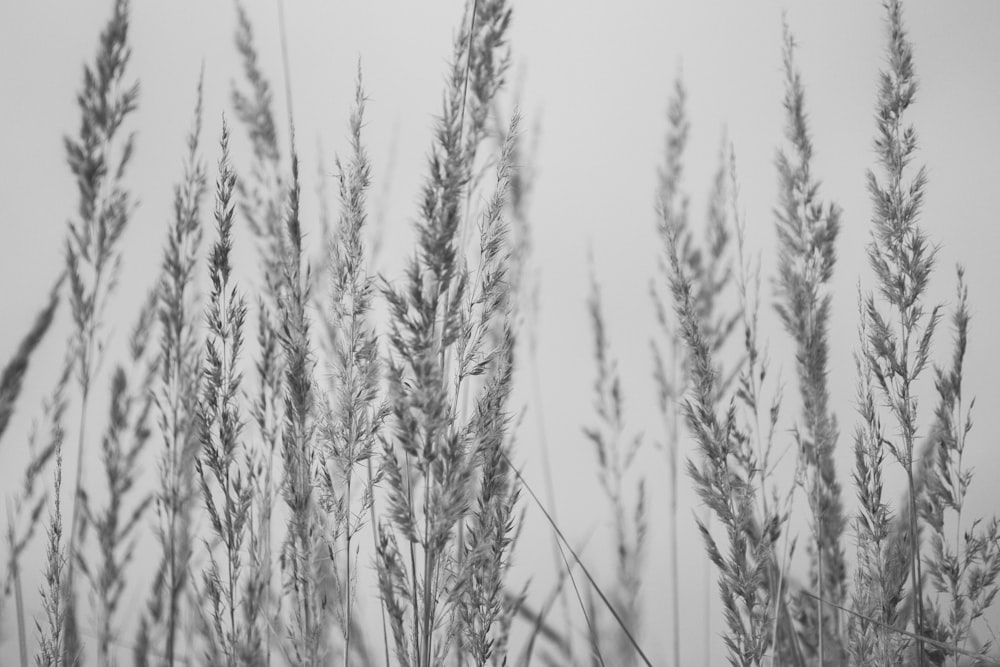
[(596, 79)]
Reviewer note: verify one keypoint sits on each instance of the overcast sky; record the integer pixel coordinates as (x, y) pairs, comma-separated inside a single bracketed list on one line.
[(595, 79)]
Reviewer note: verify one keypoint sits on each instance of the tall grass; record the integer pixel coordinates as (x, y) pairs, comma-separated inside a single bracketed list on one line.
[(51, 648), (226, 491), (963, 567), (439, 327), (353, 423), (98, 159), (176, 401), (709, 267), (807, 236), (899, 326), (616, 452), (126, 437), (384, 414), (724, 476)]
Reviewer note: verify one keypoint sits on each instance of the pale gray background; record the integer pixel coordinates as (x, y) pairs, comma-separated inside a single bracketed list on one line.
[(596, 77)]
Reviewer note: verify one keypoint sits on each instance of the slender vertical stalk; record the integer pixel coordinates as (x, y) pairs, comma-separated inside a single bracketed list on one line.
[(15, 575), (347, 600), (374, 525)]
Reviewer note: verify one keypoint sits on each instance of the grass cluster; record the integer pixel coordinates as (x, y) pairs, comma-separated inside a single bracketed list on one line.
[(334, 476)]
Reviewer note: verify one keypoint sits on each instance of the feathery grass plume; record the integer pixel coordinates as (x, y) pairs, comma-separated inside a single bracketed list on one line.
[(807, 233), (524, 285), (51, 649), (225, 489), (263, 197), (12, 376), (963, 567), (396, 595), (349, 432), (726, 480), (759, 428), (438, 325), (176, 396), (711, 274), (707, 263), (24, 512), (124, 441), (615, 455), (487, 59), (265, 410), (711, 266), (899, 327), (487, 532), (298, 447), (327, 237), (263, 194), (757, 433), (508, 603), (675, 207), (882, 568), (522, 276), (485, 348), (98, 159)]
